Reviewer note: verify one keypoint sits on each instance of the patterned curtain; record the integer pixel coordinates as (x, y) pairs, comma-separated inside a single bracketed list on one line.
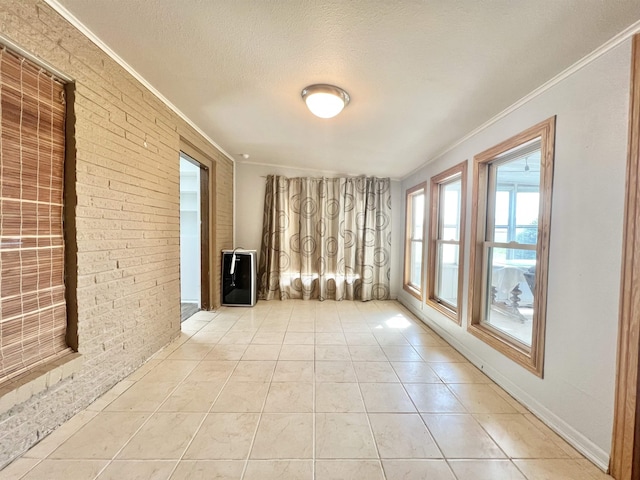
[(326, 238)]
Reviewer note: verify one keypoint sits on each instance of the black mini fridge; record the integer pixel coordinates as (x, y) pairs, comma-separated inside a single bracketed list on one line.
[(239, 278)]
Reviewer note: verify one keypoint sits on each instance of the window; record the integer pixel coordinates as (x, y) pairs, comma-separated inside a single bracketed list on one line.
[(413, 265), (446, 240), (33, 317), (510, 248)]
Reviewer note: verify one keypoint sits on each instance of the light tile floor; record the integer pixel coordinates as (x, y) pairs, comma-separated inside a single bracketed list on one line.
[(305, 390)]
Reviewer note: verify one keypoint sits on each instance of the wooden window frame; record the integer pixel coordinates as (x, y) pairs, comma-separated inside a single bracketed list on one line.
[(531, 358), (407, 285), (455, 173)]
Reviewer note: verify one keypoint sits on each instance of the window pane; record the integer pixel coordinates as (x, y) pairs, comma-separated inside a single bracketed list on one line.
[(450, 210), (528, 235), (417, 211), (447, 273), (517, 197), (527, 204), (502, 208), (416, 264), (509, 297)]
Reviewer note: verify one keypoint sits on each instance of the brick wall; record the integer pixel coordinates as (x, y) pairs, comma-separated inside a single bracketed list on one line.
[(127, 219)]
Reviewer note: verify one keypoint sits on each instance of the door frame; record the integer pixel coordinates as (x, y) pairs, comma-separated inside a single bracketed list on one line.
[(205, 262), (625, 453)]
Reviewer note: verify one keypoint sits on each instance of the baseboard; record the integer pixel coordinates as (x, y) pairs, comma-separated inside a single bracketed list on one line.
[(577, 440)]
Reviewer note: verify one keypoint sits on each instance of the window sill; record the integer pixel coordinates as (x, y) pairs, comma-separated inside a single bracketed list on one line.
[(413, 291), (447, 312), (38, 380)]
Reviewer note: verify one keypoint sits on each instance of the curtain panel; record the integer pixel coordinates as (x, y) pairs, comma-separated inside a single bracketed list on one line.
[(326, 238)]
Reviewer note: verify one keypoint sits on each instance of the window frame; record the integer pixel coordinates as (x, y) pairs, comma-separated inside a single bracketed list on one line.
[(414, 290), (531, 358), (453, 174)]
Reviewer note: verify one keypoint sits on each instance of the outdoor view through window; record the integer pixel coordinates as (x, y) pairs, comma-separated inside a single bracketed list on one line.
[(511, 241)]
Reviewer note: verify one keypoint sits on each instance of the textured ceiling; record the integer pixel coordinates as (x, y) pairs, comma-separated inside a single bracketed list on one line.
[(421, 74)]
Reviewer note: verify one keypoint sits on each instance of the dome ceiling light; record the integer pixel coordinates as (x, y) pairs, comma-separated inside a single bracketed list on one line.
[(325, 101)]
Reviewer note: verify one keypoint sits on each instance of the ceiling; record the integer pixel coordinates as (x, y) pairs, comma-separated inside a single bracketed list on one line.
[(421, 73)]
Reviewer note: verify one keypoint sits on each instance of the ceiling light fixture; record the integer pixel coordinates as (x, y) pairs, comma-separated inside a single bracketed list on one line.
[(325, 101)]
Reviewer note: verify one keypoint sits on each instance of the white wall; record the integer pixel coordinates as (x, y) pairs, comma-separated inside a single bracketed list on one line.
[(250, 188), (576, 396)]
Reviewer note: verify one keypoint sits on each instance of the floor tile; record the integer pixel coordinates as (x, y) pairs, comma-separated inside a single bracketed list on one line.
[(415, 372), (142, 397), (212, 371), (261, 352), (481, 398), (434, 398), (417, 470), (297, 352), (253, 371), (223, 436), (367, 353), (165, 436), (518, 437), (551, 469), (375, 372), (335, 372), (56, 438), (293, 371), (279, 470), (338, 398), (138, 470), (284, 436), (440, 354), (344, 435), (190, 351), (102, 437), (332, 352), (170, 371), (425, 339), (18, 468), (349, 470), (386, 398), (66, 469), (461, 436), (268, 338), (192, 397), (486, 470), (401, 353), (226, 352), (360, 338), (238, 397), (459, 373), (290, 398), (330, 338), (299, 338), (208, 469), (402, 436)]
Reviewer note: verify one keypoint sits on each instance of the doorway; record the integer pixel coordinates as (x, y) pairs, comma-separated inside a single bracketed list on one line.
[(194, 237)]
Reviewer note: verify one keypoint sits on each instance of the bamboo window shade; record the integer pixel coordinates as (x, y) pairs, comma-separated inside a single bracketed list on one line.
[(33, 317)]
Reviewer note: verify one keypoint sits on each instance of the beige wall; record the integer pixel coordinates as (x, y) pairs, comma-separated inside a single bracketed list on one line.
[(127, 218)]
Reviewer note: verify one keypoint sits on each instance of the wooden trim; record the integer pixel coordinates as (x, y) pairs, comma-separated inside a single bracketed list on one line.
[(205, 275), (434, 206), (532, 360), (406, 285), (70, 230), (625, 454)]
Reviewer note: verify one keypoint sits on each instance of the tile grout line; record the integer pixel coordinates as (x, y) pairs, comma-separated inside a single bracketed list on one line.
[(155, 411), (204, 418)]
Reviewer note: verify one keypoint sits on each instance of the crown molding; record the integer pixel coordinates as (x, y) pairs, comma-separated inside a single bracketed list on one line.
[(69, 17), (621, 37), (313, 170)]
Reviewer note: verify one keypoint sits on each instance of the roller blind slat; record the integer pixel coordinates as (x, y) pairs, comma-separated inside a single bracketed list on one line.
[(33, 316)]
